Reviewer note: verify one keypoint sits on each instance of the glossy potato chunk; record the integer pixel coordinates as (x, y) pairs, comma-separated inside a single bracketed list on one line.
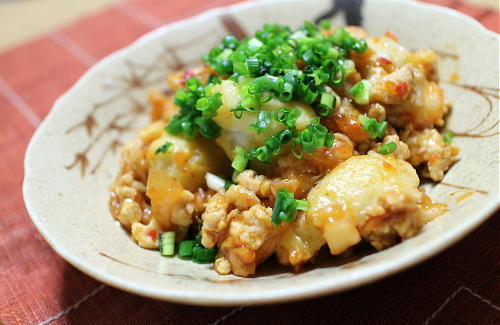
[(187, 161), (236, 132), (300, 242), (341, 201)]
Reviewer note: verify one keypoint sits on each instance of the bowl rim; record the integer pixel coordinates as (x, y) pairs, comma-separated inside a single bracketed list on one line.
[(375, 273)]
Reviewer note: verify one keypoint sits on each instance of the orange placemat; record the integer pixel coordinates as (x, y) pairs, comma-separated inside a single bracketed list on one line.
[(460, 286)]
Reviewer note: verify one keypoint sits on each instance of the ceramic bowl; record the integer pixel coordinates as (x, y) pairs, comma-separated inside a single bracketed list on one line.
[(72, 157)]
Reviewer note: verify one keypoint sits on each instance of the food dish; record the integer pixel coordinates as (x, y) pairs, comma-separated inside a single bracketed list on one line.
[(65, 188), (324, 127)]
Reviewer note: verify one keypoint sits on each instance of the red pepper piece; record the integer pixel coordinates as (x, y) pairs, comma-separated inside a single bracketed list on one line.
[(402, 88)]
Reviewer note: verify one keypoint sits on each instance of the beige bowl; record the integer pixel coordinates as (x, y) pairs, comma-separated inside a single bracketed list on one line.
[(72, 157)]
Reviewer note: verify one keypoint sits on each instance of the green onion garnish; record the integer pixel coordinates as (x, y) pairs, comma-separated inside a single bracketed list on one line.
[(345, 40), (361, 92), (325, 107), (273, 64), (163, 148), (387, 148), (375, 128), (202, 254), (209, 105), (186, 248), (349, 66), (196, 111), (448, 137), (285, 207), (287, 116), (312, 137), (325, 24), (167, 243), (240, 160)]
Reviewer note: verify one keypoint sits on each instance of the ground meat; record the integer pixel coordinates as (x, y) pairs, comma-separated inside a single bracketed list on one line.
[(251, 239), (377, 111), (127, 200), (259, 184), (393, 216), (182, 212), (130, 213), (214, 220), (391, 88), (241, 197), (241, 226), (146, 235), (428, 147), (424, 107), (402, 151)]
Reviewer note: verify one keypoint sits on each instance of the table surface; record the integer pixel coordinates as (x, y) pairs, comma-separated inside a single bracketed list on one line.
[(459, 286), (42, 16)]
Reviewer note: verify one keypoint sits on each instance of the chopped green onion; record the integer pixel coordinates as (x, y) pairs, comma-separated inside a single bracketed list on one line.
[(312, 137), (272, 146), (263, 154), (325, 24), (286, 92), (287, 116), (275, 57), (234, 176), (310, 95), (163, 148), (276, 63), (196, 111), (209, 105), (202, 254), (349, 66), (448, 137), (254, 44), (361, 92), (265, 83), (285, 207), (345, 40), (213, 80), (375, 128), (325, 107), (240, 160), (230, 42), (253, 66), (387, 148), (167, 243), (186, 248), (303, 205)]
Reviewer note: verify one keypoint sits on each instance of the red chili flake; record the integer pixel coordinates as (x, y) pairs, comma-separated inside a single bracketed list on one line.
[(384, 60), (402, 88), (187, 74), (391, 36), (153, 234)]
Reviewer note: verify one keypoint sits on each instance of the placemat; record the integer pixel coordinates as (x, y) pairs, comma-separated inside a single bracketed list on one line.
[(459, 286)]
